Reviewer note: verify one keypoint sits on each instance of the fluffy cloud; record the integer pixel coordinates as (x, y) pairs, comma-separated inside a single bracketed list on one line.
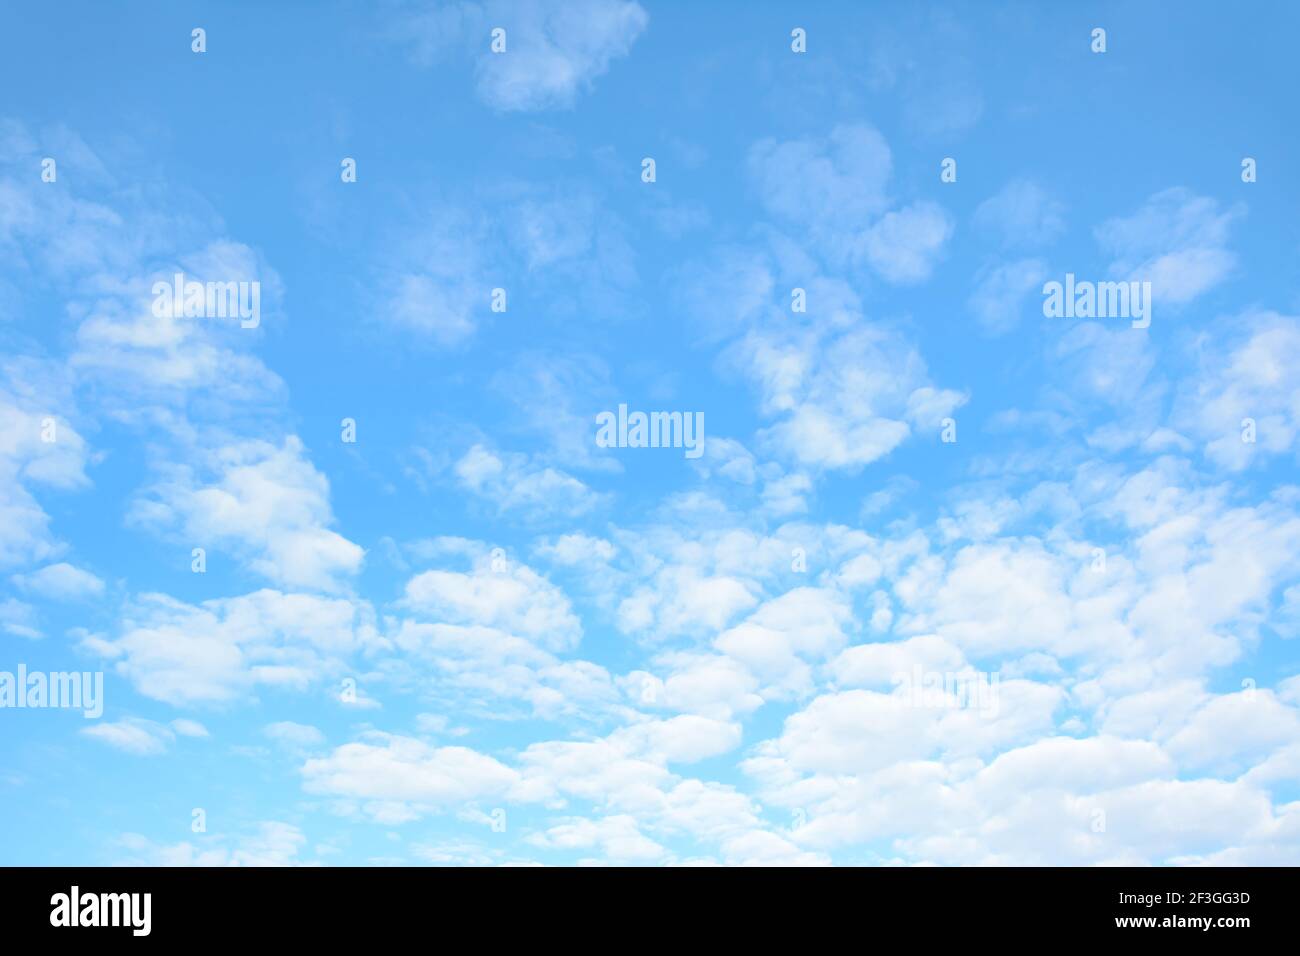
[(142, 738), (1252, 379), (554, 50), (436, 282), (438, 278), (782, 635), (682, 739), (1021, 215), (501, 594), (482, 668), (844, 401), (905, 243), (839, 180), (836, 189), (395, 778), (266, 503), (61, 582), (1178, 241), (222, 649), (684, 600), (711, 685), (1001, 290), (513, 484), (38, 447), (293, 735), (271, 844), (617, 837), (576, 549)]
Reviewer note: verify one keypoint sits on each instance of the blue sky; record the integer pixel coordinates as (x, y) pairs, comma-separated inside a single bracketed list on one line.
[(472, 635)]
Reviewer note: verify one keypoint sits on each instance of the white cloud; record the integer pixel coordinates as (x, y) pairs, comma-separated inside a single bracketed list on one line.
[(438, 278), (1100, 362), (686, 738), (837, 181), (787, 495), (151, 371), (554, 49), (779, 639), (396, 778), (1178, 241), (859, 731), (844, 401), (38, 447), (836, 190), (133, 735), (994, 599), (712, 685), (877, 665), (514, 484), (1233, 732), (726, 292), (683, 600), (618, 838), (765, 848), (1021, 215), (728, 459), (904, 244), (510, 597), (576, 549), (1253, 378), (61, 582), (998, 299), (222, 649), (440, 309), (189, 728), (268, 504), (1037, 804), (294, 736), (272, 844), (481, 669), (557, 50), (19, 618)]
